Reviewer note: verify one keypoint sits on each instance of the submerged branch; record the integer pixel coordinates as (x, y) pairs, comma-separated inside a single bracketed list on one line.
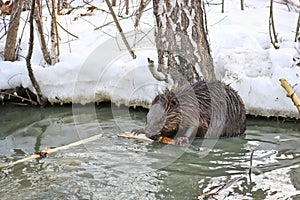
[(250, 167), (223, 187)]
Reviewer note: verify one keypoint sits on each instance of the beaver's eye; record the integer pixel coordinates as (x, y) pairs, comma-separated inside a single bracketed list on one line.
[(174, 102)]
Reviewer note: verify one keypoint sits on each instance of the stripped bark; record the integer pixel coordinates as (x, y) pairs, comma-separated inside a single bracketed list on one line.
[(11, 38), (181, 40), (290, 93)]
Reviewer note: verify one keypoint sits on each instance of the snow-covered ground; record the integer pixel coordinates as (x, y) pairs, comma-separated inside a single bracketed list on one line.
[(97, 67)]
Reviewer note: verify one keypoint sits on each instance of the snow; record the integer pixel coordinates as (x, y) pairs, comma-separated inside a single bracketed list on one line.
[(97, 67)]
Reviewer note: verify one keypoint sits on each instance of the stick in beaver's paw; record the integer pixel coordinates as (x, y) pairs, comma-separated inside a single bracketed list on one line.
[(135, 136), (161, 139)]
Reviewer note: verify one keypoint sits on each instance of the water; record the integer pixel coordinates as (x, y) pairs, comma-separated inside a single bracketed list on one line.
[(121, 168)]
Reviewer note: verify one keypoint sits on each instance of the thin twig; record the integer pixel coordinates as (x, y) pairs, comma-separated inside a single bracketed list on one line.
[(219, 21), (122, 18), (67, 31), (17, 96), (54, 23), (297, 29), (272, 27), (120, 30), (68, 38)]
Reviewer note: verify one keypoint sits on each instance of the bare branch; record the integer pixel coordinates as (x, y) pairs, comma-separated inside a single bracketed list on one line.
[(140, 11), (41, 100), (120, 29), (297, 29), (274, 40), (39, 24)]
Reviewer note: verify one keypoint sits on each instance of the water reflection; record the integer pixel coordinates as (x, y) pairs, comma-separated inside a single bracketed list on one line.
[(118, 168)]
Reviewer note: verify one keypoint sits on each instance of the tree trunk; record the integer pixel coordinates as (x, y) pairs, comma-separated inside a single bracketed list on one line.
[(11, 38), (181, 40)]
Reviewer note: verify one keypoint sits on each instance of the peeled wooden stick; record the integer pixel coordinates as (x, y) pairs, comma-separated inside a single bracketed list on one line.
[(47, 151), (162, 139), (290, 93)]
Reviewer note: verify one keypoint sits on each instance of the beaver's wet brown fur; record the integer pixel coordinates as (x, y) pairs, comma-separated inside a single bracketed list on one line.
[(206, 110)]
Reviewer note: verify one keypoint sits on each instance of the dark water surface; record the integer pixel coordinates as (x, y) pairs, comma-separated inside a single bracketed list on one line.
[(121, 168)]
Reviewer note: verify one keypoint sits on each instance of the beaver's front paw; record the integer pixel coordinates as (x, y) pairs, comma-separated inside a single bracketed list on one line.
[(138, 131), (182, 141)]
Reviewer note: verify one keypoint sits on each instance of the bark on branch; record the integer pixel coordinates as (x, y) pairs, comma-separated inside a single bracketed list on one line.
[(273, 38), (54, 36), (181, 40), (11, 38), (140, 11), (39, 24), (120, 29), (40, 99)]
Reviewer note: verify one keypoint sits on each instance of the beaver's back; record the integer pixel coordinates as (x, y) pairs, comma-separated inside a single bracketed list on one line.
[(214, 107)]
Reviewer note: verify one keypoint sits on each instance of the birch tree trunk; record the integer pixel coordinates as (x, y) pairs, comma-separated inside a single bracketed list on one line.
[(11, 38), (181, 40)]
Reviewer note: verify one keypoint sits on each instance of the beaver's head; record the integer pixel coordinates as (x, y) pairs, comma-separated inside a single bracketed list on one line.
[(164, 116)]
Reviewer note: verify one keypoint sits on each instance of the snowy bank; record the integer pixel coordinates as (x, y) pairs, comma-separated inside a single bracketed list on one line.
[(97, 67)]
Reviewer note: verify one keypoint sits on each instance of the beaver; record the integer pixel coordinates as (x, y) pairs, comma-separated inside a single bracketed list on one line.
[(203, 109)]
